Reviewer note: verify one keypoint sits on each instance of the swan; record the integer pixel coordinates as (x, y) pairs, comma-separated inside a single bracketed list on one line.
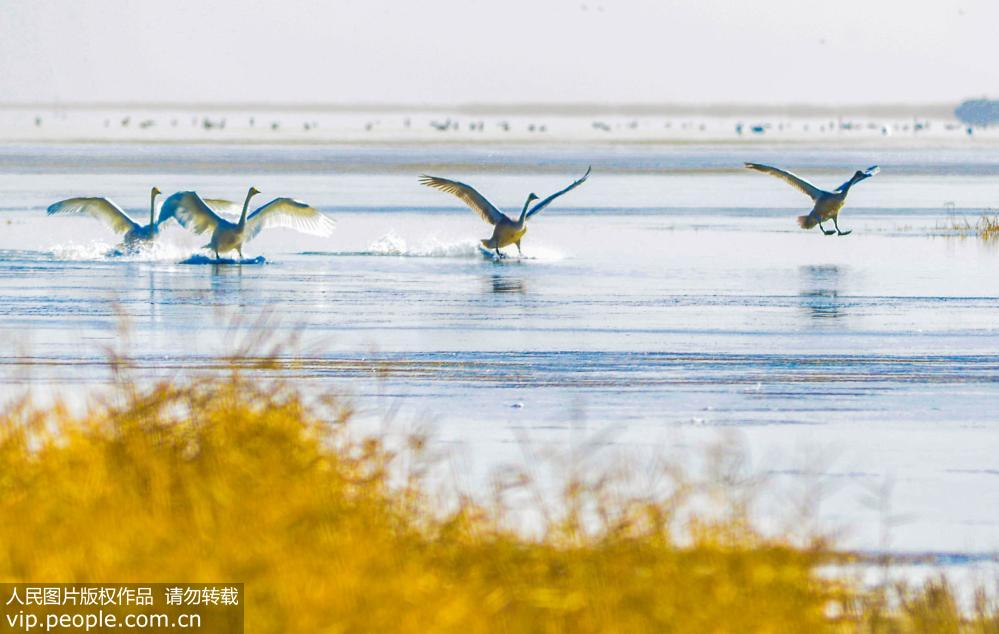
[(106, 211), (827, 204), (506, 230), (196, 213)]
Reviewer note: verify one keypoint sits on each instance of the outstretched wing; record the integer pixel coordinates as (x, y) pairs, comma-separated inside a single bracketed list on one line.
[(468, 195), (544, 203), (221, 206), (289, 213), (191, 211), (100, 208), (793, 180)]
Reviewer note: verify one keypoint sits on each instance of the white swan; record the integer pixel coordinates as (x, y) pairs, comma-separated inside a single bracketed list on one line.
[(196, 214), (506, 231), (106, 211), (827, 204)]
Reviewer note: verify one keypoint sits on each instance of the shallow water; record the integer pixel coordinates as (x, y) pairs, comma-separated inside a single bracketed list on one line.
[(669, 299)]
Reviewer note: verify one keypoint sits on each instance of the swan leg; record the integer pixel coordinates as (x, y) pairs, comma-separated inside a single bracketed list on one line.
[(519, 252), (498, 254), (838, 232), (217, 255), (823, 229), (240, 252)]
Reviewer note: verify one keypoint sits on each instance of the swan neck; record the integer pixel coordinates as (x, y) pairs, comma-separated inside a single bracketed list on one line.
[(850, 183), (152, 208), (523, 212), (246, 205)]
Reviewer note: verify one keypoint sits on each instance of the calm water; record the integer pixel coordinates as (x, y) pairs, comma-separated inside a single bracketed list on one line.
[(668, 300)]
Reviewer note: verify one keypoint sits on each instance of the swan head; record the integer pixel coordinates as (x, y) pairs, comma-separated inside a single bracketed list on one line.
[(867, 173), (527, 203), (156, 191), (253, 191)]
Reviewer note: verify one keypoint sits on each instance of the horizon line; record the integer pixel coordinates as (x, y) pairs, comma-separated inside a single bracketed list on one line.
[(536, 107)]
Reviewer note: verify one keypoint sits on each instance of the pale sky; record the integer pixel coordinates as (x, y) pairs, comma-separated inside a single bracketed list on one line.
[(510, 51)]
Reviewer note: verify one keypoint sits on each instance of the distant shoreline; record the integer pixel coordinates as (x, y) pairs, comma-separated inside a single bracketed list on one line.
[(172, 123), (538, 108)]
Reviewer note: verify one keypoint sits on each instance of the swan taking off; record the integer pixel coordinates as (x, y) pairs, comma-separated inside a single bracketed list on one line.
[(113, 216), (506, 230), (196, 214), (827, 204)]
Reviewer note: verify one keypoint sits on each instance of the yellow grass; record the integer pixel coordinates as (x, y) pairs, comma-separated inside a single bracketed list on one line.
[(227, 478), (988, 227)]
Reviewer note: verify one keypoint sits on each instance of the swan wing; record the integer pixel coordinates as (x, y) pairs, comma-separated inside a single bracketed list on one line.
[(191, 211), (544, 203), (222, 206), (468, 195), (100, 208), (291, 214), (793, 180)]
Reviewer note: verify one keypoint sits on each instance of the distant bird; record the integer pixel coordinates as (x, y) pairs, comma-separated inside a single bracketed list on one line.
[(506, 230), (827, 204), (195, 213), (112, 215)]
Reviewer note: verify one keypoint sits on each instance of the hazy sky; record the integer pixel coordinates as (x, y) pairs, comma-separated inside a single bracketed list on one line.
[(452, 51)]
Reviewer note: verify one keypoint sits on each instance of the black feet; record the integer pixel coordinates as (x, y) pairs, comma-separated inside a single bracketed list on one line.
[(842, 233)]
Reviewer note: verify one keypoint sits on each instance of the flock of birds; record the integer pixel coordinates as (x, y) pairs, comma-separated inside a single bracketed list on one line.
[(202, 215)]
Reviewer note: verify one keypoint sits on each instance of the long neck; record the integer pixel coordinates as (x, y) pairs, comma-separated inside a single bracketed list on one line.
[(850, 183), (152, 208), (523, 212), (246, 205)]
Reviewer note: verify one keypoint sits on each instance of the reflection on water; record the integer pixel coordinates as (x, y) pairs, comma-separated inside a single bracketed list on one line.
[(731, 319), (226, 280), (820, 291), (507, 284)]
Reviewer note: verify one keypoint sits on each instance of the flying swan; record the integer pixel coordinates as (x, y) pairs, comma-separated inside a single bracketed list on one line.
[(827, 204), (506, 230), (196, 214)]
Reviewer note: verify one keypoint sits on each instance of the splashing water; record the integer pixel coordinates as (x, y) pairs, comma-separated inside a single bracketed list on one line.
[(392, 244), (104, 251)]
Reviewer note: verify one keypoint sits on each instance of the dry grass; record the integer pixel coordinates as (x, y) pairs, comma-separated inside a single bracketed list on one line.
[(232, 479), (987, 227)]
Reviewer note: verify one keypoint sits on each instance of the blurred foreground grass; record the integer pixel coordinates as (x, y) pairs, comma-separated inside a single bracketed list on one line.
[(229, 478)]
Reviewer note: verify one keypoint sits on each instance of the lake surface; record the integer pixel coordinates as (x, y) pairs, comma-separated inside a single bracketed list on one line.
[(668, 301)]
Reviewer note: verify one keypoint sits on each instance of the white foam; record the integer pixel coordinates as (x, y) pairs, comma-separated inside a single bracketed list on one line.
[(432, 247), (391, 244), (104, 251)]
